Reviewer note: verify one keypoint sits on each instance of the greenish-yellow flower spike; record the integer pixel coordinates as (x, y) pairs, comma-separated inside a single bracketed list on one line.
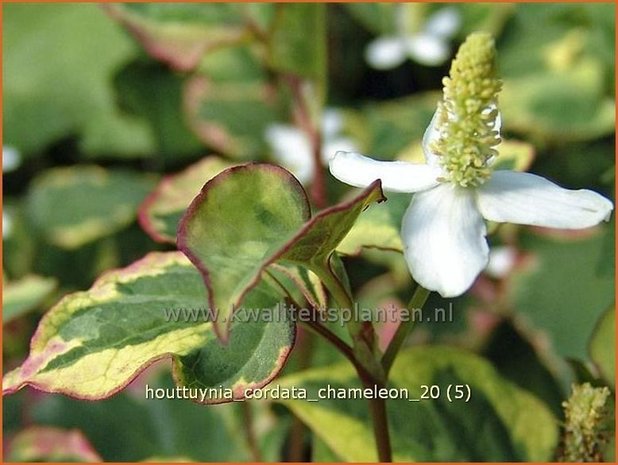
[(468, 112), (588, 425)]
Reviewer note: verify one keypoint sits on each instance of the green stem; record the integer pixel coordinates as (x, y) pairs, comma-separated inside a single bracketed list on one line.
[(360, 332), (249, 431), (367, 365), (417, 301)]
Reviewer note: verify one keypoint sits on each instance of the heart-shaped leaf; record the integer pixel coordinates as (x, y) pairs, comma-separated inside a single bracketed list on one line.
[(57, 83), (250, 216), (232, 230), (76, 205), (500, 422), (160, 213), (180, 34), (231, 116), (93, 343)]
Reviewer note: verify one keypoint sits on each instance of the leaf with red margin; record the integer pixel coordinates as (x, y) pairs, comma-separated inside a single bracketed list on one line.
[(181, 34), (46, 444), (160, 213), (93, 343), (251, 216), (232, 116)]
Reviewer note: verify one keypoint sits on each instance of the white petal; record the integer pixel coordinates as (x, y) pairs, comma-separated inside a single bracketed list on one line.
[(431, 135), (385, 52), (427, 49), (292, 150), (444, 239), (338, 144), (397, 176), (443, 23), (525, 198)]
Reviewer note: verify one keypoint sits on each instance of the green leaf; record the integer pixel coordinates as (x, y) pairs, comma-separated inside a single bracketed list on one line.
[(388, 127), (298, 40), (180, 34), (241, 219), (76, 205), (93, 343), (166, 427), (538, 33), (160, 213), (501, 422), (320, 452), (517, 359), (564, 106), (232, 101), (155, 94), (602, 346), (44, 444), (250, 216), (378, 227), (514, 155), (566, 313), (58, 62), (378, 18), (19, 297)]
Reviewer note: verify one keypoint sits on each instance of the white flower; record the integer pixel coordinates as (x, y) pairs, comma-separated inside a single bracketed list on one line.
[(292, 149), (7, 224), (443, 229), (501, 261), (11, 159), (430, 46)]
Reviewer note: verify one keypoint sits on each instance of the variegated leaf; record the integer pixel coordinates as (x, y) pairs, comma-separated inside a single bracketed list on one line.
[(251, 216), (93, 343)]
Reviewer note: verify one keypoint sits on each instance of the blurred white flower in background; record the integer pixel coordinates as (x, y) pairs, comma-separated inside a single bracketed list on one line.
[(428, 46), (7, 224), (291, 147), (501, 262), (11, 159)]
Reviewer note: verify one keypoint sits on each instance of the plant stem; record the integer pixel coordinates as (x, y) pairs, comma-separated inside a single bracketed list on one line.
[(306, 122), (364, 359), (250, 433), (419, 297), (298, 429), (377, 408), (331, 337)]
